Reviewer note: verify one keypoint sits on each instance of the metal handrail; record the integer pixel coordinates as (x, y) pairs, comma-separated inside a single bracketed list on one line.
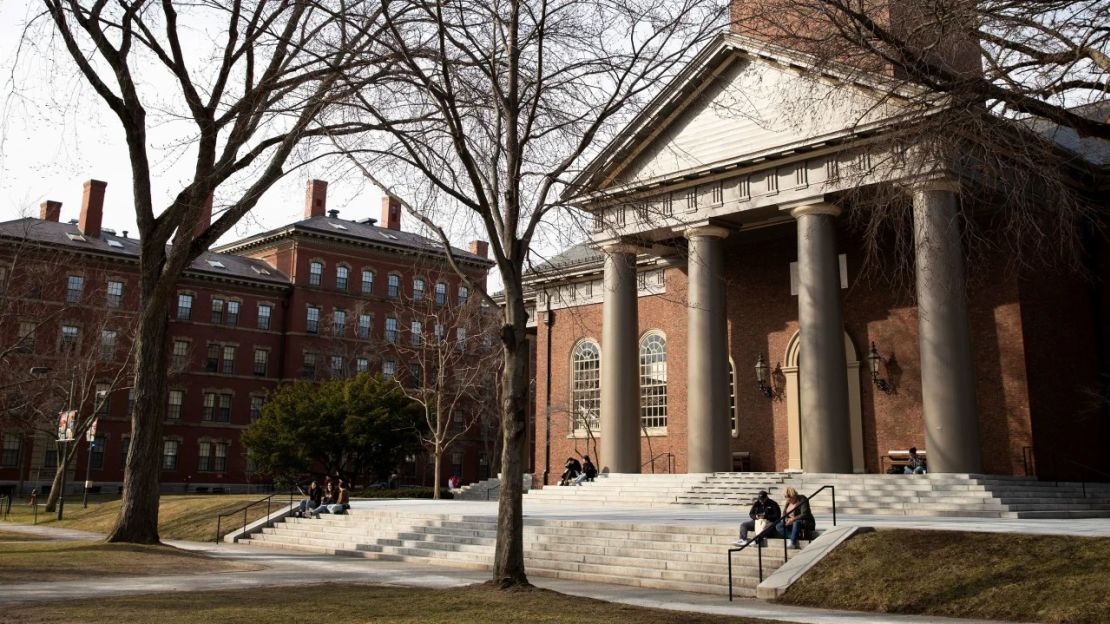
[(6, 506), (1085, 467), (670, 462), (267, 500), (770, 529)]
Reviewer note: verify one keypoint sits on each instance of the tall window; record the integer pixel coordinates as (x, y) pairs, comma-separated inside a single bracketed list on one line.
[(173, 404), (389, 368), (312, 320), (107, 344), (315, 273), (169, 454), (309, 366), (204, 457), (180, 357), (364, 321), (417, 289), (362, 364), (114, 294), (265, 311), (390, 329), (367, 281), (653, 381), (339, 322), (217, 407), (212, 457), (229, 359), (438, 332), (102, 399), (10, 454), (212, 361), (732, 397), (394, 286), (460, 338), (341, 275), (184, 307), (217, 311), (417, 334), (70, 334), (441, 293), (261, 362), (27, 336), (585, 394), (464, 294), (232, 312), (337, 367), (256, 407), (75, 287), (96, 452), (219, 461)]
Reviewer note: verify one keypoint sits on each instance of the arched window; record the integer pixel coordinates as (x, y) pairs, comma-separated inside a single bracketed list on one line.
[(732, 397), (585, 394), (653, 381)]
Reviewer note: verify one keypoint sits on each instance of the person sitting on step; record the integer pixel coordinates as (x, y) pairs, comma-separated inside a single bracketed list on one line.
[(313, 499), (328, 498), (796, 518), (573, 468), (341, 501), (589, 471), (916, 463), (763, 508)]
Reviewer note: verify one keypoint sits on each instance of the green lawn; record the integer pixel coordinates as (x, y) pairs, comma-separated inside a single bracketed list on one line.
[(29, 562), (1044, 578), (180, 516), (358, 603)]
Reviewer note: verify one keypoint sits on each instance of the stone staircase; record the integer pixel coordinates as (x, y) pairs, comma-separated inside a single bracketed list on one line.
[(488, 489), (957, 495), (620, 490), (678, 557)]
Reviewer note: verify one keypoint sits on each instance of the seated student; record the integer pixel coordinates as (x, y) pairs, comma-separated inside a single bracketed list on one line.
[(796, 517), (573, 468), (313, 499), (327, 499), (763, 508), (917, 463), (589, 471), (453, 482), (340, 502)]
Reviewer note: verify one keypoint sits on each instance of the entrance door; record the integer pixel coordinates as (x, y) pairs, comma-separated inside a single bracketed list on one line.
[(793, 410)]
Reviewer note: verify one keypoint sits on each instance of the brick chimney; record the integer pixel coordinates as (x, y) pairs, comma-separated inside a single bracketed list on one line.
[(204, 219), (479, 248), (315, 199), (92, 208), (50, 210), (391, 212)]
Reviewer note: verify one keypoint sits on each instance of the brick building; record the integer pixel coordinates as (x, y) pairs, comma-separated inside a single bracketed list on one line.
[(322, 297), (719, 317)]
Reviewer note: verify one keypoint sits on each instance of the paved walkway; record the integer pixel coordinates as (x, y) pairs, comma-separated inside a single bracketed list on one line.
[(285, 569)]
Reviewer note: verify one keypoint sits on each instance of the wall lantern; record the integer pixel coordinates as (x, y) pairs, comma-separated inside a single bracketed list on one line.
[(762, 376), (875, 360)]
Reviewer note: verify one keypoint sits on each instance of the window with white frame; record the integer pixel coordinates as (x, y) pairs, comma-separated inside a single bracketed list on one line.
[(416, 334), (732, 417), (233, 312), (75, 287), (460, 338), (364, 321), (212, 456), (102, 399), (653, 381), (391, 329), (108, 344), (417, 289), (367, 281), (229, 359), (169, 454), (315, 273), (265, 312), (362, 364), (184, 306), (309, 366), (256, 406), (339, 322), (394, 286), (312, 320), (70, 336), (338, 369), (173, 404), (389, 368), (585, 394), (441, 293), (27, 331), (217, 311), (114, 294), (341, 275), (179, 358), (464, 294), (261, 361)]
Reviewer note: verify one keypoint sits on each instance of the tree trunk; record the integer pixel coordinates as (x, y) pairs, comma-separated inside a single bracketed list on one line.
[(508, 560), (138, 516), (436, 475), (56, 485)]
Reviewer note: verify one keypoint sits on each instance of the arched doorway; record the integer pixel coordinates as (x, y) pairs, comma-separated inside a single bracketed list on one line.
[(793, 411)]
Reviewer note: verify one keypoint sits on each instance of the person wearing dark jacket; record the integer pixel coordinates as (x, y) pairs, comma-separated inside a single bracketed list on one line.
[(573, 467), (796, 517), (314, 497), (763, 508), (589, 471)]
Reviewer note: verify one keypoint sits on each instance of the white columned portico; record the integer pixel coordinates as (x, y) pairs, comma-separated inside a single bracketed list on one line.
[(707, 400), (947, 374), (620, 362), (822, 378)]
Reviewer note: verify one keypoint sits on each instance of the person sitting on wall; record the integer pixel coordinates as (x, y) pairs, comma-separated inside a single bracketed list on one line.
[(453, 482), (916, 463), (763, 508), (796, 517), (313, 498), (589, 471), (571, 472)]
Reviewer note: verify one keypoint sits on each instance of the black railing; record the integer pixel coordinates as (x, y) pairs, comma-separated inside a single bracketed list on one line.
[(6, 506), (492, 488), (268, 501), (670, 463), (1086, 471), (768, 532)]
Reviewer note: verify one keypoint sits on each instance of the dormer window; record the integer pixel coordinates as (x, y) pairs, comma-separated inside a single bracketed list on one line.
[(76, 237), (260, 270), (338, 226), (115, 243), (216, 264)]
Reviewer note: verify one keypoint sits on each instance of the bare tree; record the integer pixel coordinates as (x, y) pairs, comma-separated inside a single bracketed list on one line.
[(250, 82), (495, 107), (452, 362)]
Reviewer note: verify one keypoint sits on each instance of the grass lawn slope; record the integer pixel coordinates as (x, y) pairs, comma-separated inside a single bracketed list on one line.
[(32, 562), (358, 603), (1025, 578), (180, 516)]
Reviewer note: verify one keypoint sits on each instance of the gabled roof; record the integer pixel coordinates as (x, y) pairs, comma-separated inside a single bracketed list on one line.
[(69, 237), (360, 232)]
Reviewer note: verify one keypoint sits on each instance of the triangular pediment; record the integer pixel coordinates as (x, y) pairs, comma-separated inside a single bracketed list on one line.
[(741, 108)]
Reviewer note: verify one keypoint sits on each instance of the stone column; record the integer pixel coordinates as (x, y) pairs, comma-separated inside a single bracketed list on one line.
[(947, 374), (707, 428), (620, 363), (822, 365)]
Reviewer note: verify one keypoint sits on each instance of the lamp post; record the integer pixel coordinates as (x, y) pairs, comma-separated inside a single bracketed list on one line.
[(874, 359), (90, 437), (761, 376)]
